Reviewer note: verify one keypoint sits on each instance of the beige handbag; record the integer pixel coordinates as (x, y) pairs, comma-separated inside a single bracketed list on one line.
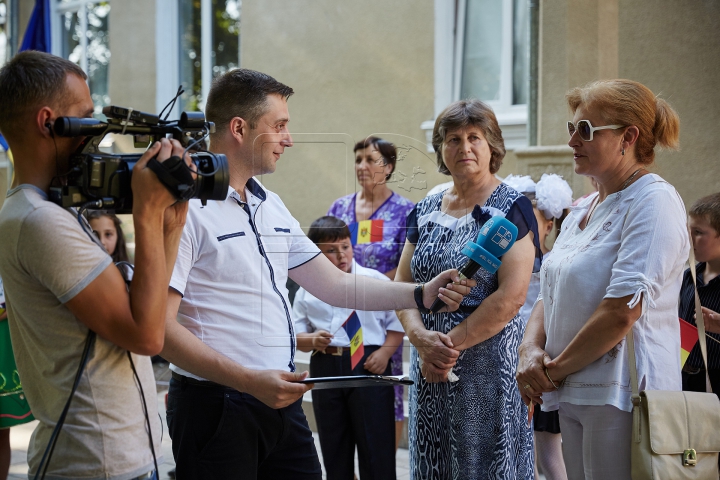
[(676, 435)]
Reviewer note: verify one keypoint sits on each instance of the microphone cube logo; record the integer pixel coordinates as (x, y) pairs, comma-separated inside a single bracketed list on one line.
[(486, 228), (502, 238)]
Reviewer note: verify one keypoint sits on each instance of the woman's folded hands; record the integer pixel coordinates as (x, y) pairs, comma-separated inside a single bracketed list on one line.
[(531, 376)]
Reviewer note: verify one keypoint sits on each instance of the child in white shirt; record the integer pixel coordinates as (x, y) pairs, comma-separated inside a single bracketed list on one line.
[(349, 417)]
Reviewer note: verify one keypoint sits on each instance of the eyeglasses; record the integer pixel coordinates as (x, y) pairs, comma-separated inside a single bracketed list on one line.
[(585, 129)]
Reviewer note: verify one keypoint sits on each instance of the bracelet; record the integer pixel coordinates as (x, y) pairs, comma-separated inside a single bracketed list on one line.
[(547, 374), (419, 298)]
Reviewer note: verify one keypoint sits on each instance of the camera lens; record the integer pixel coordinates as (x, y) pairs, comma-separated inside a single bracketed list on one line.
[(214, 178)]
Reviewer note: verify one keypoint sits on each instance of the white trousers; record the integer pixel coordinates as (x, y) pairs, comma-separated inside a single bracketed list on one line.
[(596, 441)]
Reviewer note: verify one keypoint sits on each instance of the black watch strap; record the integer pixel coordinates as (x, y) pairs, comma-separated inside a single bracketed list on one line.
[(419, 299)]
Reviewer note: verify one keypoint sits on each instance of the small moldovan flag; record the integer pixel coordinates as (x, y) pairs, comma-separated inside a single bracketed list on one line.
[(354, 332), (367, 231), (688, 339)]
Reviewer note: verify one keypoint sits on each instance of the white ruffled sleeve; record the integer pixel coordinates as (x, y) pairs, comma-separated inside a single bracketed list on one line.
[(653, 236)]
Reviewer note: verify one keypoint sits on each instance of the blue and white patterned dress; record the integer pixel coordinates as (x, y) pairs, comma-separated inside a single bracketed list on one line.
[(475, 428)]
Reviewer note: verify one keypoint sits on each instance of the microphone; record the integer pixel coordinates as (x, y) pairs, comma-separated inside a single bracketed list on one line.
[(496, 237)]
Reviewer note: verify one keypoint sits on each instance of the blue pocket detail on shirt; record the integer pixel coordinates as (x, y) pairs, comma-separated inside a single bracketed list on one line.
[(230, 235), (285, 230)]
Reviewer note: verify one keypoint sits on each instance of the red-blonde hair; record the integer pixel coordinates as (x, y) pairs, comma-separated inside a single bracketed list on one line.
[(625, 102)]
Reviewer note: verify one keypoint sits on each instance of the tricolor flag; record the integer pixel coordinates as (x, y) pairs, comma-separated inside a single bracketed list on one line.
[(354, 332), (688, 339), (367, 231)]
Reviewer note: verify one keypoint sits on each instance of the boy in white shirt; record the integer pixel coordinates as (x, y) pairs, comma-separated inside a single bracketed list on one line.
[(349, 417)]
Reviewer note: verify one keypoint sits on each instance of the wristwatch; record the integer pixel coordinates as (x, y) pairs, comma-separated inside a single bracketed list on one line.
[(419, 298)]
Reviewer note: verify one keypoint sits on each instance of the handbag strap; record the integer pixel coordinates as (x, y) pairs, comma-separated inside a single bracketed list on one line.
[(699, 319), (635, 395), (630, 342)]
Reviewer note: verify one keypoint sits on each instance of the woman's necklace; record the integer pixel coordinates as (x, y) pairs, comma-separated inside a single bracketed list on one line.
[(622, 187), (630, 179)]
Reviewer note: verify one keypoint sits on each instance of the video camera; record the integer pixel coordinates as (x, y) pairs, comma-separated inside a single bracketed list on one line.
[(102, 180)]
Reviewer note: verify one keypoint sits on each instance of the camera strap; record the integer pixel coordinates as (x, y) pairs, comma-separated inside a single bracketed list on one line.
[(175, 175), (45, 461)]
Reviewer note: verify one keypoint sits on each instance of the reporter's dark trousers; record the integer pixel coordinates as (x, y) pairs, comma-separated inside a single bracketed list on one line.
[(350, 417), (220, 433)]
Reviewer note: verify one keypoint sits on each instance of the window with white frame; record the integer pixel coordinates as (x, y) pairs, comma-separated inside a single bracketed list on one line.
[(493, 52), (482, 51), (4, 37), (80, 34), (209, 46)]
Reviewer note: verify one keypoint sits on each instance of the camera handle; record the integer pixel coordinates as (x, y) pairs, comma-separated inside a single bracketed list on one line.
[(174, 174)]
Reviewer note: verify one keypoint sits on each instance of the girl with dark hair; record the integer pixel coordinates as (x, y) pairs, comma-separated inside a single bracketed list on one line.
[(106, 226)]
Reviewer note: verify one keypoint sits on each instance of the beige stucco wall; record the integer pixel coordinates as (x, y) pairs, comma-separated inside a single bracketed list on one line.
[(671, 46), (675, 51), (357, 68), (132, 45), (131, 81)]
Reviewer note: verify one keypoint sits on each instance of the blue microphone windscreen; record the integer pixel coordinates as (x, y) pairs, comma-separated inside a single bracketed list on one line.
[(497, 236)]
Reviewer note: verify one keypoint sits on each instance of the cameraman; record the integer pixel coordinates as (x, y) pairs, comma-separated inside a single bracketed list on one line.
[(234, 406), (60, 282)]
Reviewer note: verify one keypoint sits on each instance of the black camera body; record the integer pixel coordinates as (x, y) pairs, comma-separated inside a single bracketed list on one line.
[(103, 180)]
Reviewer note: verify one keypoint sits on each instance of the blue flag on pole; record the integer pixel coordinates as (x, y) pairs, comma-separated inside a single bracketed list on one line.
[(38, 34)]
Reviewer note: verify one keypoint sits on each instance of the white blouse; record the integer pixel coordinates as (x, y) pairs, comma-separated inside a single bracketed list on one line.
[(635, 244)]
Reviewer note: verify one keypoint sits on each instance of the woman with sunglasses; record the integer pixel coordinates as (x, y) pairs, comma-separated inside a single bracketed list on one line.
[(616, 266)]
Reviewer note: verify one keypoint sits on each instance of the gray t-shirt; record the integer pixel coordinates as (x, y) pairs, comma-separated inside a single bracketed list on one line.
[(45, 260)]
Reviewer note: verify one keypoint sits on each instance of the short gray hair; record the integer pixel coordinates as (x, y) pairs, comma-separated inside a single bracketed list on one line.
[(464, 113)]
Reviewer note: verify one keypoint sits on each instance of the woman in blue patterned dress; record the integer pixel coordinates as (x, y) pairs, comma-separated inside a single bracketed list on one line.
[(475, 425), (375, 161)]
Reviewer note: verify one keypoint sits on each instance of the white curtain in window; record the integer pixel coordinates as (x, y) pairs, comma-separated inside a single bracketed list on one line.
[(521, 52), (4, 21), (482, 50)]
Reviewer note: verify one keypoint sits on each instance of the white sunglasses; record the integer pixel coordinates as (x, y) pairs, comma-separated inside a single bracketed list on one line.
[(585, 129)]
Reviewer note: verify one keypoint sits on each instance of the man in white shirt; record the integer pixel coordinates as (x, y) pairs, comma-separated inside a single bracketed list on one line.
[(60, 283), (349, 417), (234, 407)]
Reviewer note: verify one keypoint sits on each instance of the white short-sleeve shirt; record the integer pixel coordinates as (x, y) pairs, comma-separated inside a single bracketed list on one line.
[(312, 314), (635, 244), (231, 270)]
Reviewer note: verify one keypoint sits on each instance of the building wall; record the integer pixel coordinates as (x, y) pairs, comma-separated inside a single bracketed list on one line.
[(668, 45), (675, 51), (362, 68), (132, 47), (357, 68)]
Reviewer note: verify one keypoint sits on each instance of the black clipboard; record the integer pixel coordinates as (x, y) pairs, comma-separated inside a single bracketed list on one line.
[(355, 381)]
